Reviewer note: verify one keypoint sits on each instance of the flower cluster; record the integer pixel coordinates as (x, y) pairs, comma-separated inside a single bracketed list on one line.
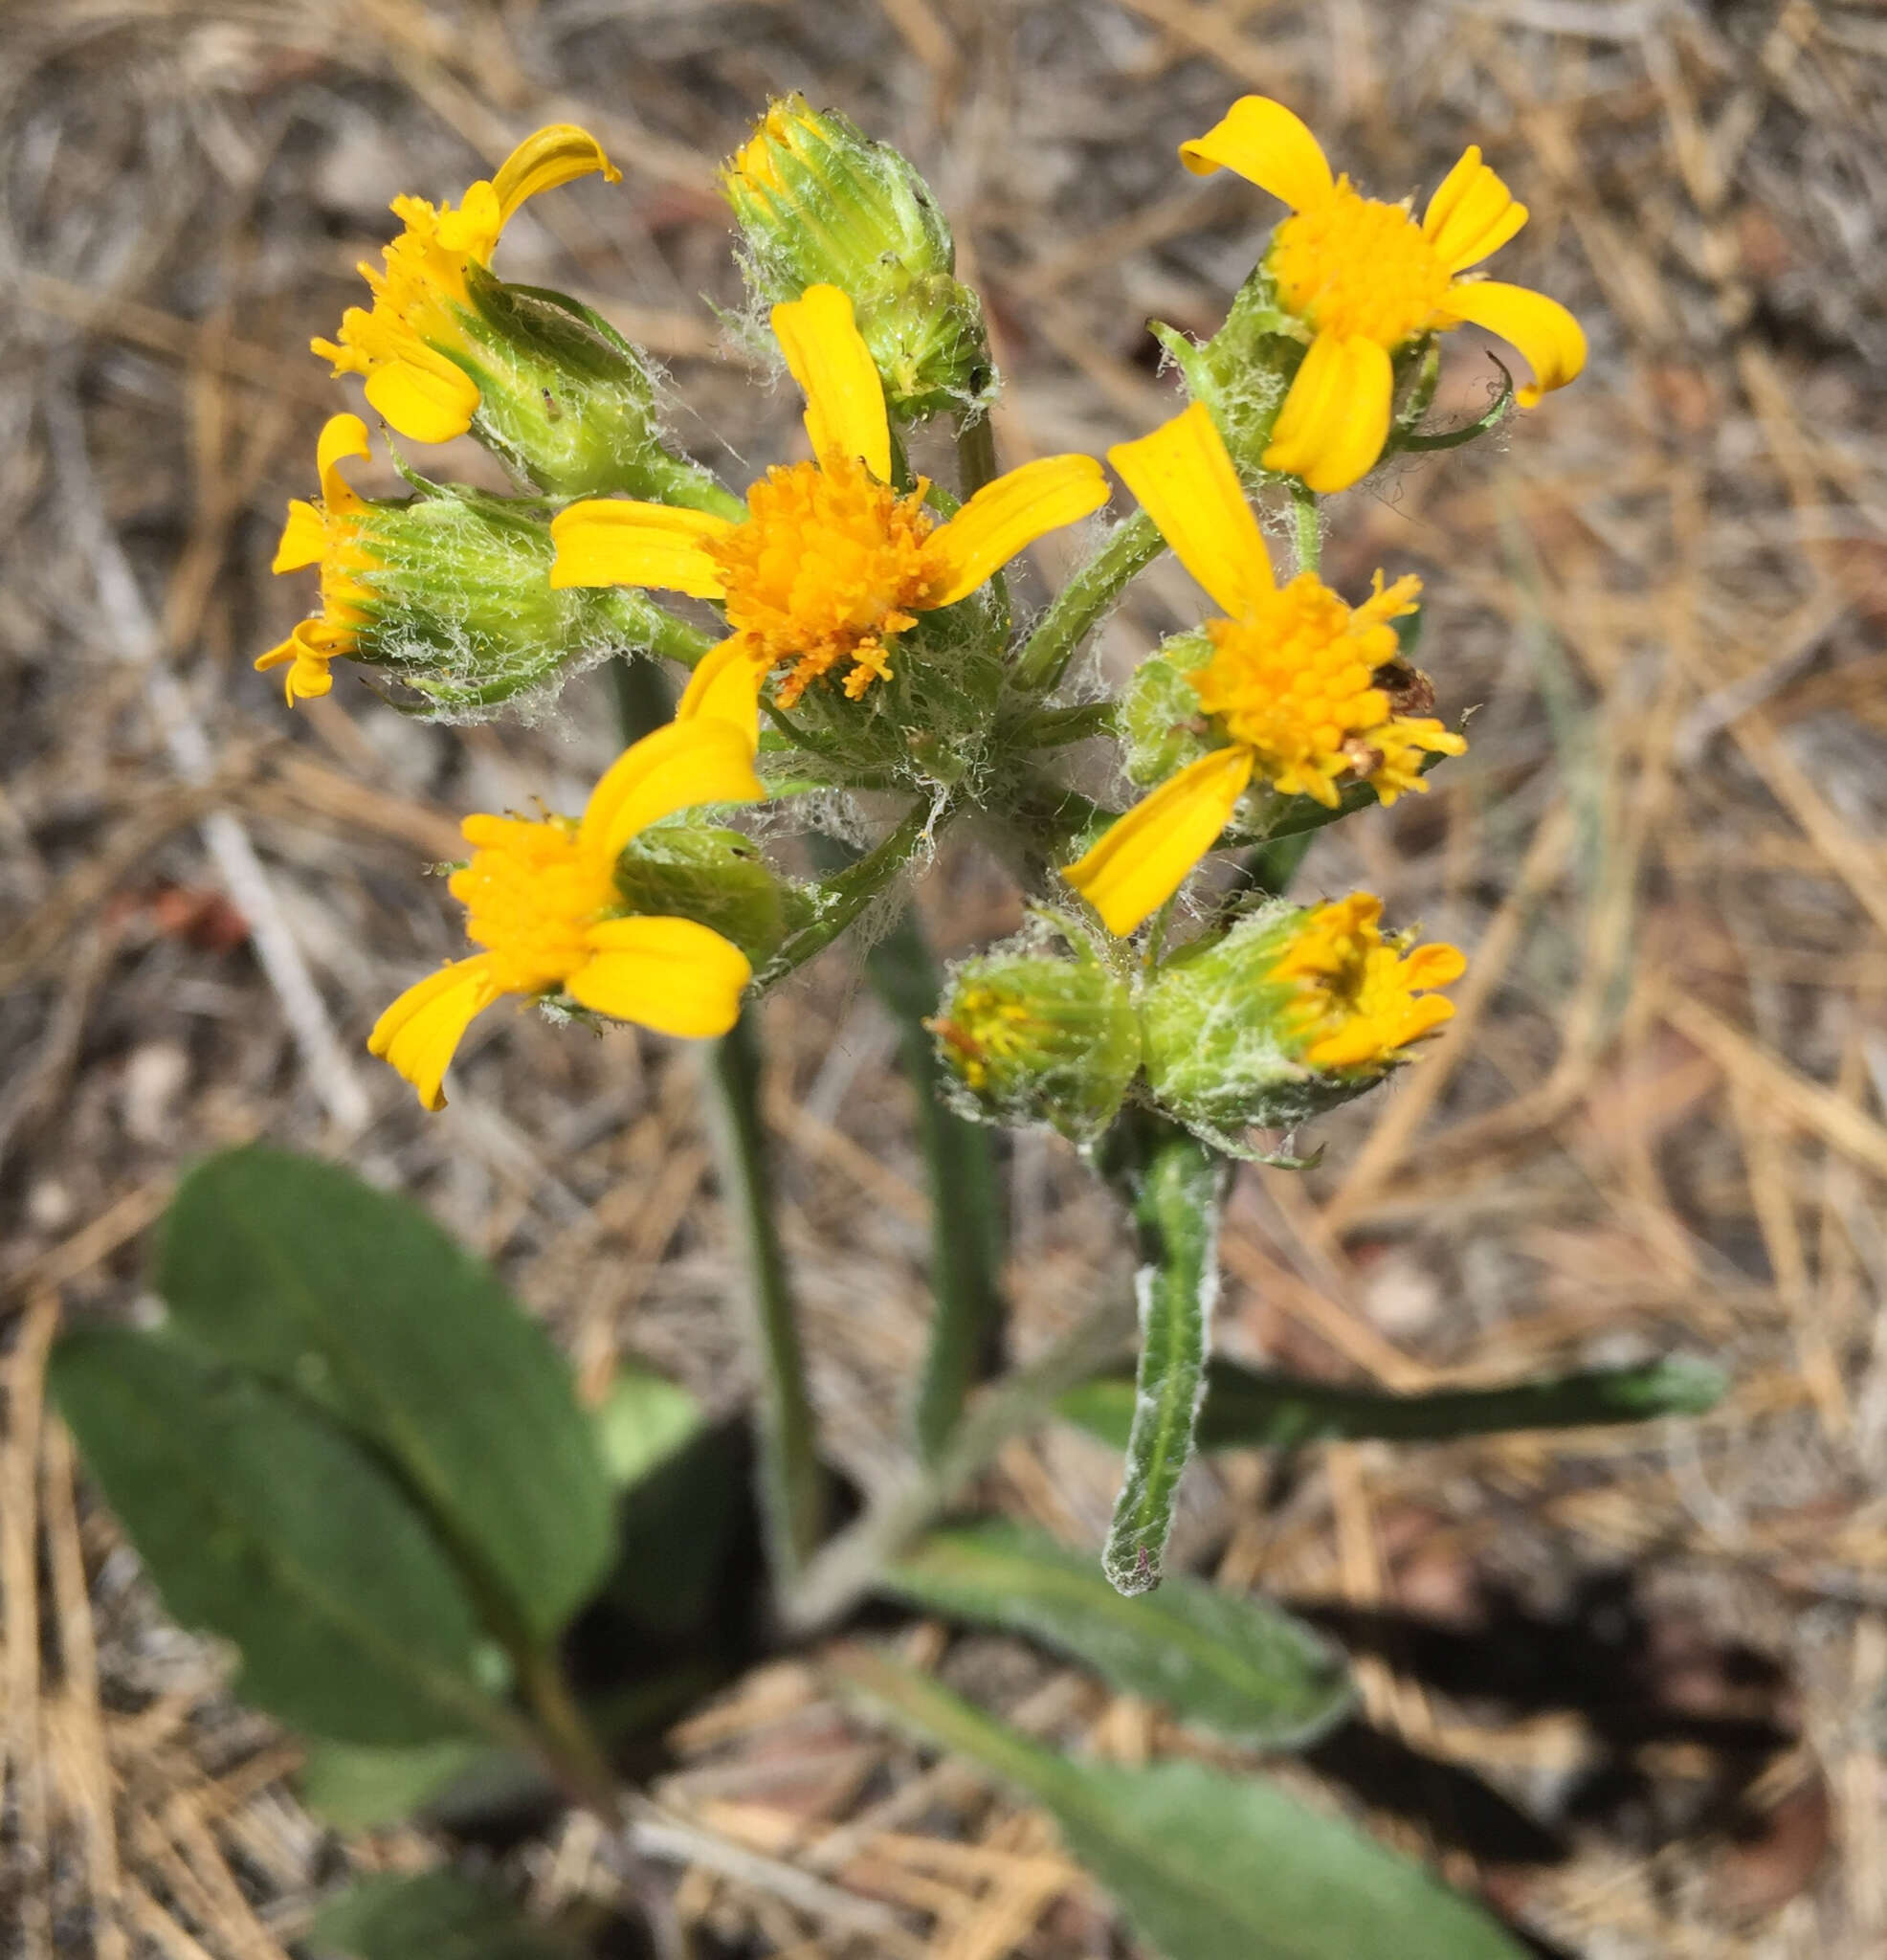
[(846, 624)]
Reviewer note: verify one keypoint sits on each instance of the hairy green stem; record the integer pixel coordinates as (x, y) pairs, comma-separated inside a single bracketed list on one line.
[(966, 1217), (843, 898), (1309, 532), (976, 454), (792, 1484), (1124, 555), (791, 1480), (1176, 1185)]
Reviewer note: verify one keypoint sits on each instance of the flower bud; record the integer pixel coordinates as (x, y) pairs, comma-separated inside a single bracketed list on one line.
[(449, 591), (715, 876), (567, 401), (1032, 1037), (819, 203), (1289, 1012)]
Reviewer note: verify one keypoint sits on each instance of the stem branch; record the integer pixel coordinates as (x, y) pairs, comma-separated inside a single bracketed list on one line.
[(1124, 555)]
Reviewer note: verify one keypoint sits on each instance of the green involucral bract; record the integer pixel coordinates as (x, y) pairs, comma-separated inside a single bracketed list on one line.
[(1033, 1038)]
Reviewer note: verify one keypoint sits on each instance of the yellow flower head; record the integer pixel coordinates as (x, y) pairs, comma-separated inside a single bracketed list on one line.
[(541, 899), (1363, 279), (1356, 1004), (411, 346), (830, 564), (1293, 682), (330, 534)]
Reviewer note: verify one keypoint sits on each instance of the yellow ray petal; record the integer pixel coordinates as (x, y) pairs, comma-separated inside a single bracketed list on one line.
[(423, 395), (1144, 858), (556, 154), (671, 974), (1552, 341), (1186, 484), (1335, 417), (1471, 214), (1268, 145), (342, 436), (1436, 964), (610, 541), (304, 538), (1010, 513), (420, 1031), (725, 687), (675, 769), (844, 397)]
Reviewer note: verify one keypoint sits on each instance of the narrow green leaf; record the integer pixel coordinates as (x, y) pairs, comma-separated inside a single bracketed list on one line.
[(1245, 1409), (644, 1418), (435, 1916), (298, 1271), (1208, 1866), (1178, 1190), (260, 1521), (1236, 1667)]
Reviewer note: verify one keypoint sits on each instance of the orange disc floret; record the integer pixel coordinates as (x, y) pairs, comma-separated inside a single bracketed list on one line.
[(1355, 265), (830, 565), (532, 891), (1357, 1004)]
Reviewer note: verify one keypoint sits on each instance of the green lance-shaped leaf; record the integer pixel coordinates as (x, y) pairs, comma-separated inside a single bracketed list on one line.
[(437, 1915), (1208, 1866), (1178, 1186), (1234, 1667), (1245, 1409), (262, 1522), (642, 1421), (298, 1270)]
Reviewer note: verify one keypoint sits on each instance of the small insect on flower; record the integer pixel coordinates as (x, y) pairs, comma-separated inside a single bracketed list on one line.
[(1362, 279), (542, 898), (1293, 684), (830, 563)]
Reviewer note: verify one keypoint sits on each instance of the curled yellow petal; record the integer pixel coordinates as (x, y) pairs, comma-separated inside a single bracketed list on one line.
[(1435, 964), (1335, 417), (419, 1034), (1268, 145), (554, 155), (1144, 856), (423, 395), (1550, 340), (304, 538), (845, 413), (612, 541), (307, 653), (1471, 214), (342, 436), (1012, 512), (678, 767), (1186, 484), (673, 975), (725, 687)]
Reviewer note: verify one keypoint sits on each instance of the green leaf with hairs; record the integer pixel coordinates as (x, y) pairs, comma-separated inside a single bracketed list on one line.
[(1206, 1865), (261, 1521), (1234, 1667), (296, 1270)]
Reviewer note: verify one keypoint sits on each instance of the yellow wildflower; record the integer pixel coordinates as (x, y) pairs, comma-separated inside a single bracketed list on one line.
[(330, 534), (1356, 1005), (831, 564), (1292, 681), (542, 899), (420, 367), (1363, 279)]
